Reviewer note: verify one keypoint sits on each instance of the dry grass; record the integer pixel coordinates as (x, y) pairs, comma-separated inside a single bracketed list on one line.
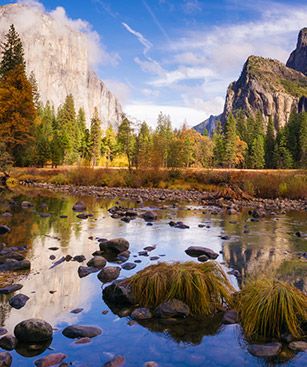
[(271, 184), (203, 287), (268, 308)]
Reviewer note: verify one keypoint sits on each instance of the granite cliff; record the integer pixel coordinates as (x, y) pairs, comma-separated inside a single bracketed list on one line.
[(58, 54), (298, 57)]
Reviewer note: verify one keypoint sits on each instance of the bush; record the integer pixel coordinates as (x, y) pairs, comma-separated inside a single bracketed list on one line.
[(203, 287), (268, 308)]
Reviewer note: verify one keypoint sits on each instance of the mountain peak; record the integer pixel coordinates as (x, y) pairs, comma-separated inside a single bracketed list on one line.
[(298, 57)]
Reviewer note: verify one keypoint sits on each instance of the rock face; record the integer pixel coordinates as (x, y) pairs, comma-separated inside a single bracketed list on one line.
[(60, 54), (298, 57), (208, 124), (267, 86)]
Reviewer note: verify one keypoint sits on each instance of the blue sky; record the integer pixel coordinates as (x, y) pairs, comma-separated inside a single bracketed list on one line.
[(178, 56)]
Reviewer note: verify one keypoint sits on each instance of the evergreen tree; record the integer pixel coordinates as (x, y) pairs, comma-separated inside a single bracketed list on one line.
[(126, 140), (303, 140), (143, 146), (81, 131), (257, 153), (109, 146), (12, 53), (282, 155), (218, 145), (35, 91), (230, 142), (269, 144), (162, 140), (95, 138)]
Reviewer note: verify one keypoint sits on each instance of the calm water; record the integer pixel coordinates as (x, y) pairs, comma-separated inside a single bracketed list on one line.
[(268, 247)]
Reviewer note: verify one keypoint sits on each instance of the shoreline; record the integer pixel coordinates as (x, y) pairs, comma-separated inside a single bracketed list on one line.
[(159, 195)]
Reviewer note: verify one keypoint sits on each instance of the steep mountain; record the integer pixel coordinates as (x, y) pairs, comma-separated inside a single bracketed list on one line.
[(268, 86), (298, 57), (208, 124), (59, 54)]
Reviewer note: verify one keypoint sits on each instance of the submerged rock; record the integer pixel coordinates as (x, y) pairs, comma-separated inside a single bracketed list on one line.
[(117, 245), (118, 294), (117, 361), (33, 331), (197, 251), (141, 313), (50, 360), (5, 359), (97, 262), (81, 331), (128, 266), (172, 308), (3, 331), (265, 350), (298, 346), (10, 288), (18, 301), (84, 271), (12, 265), (230, 317)]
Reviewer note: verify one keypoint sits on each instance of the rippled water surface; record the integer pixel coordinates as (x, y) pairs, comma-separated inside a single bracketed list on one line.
[(269, 246)]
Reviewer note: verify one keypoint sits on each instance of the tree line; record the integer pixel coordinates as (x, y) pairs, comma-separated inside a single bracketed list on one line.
[(33, 133)]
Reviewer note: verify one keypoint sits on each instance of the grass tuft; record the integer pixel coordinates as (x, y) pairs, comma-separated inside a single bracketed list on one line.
[(203, 287), (269, 308)]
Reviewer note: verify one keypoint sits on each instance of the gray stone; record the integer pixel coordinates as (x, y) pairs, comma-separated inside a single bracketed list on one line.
[(203, 258), (8, 342), (50, 360), (298, 346), (3, 331), (128, 266), (141, 313), (10, 288), (230, 317), (18, 301), (97, 262), (149, 216), (265, 350), (117, 245), (5, 359), (172, 308), (196, 251), (15, 265), (84, 271), (81, 331), (117, 361), (33, 331), (108, 274)]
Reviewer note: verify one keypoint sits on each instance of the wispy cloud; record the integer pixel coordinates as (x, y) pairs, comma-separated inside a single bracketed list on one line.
[(147, 44), (156, 21), (192, 6)]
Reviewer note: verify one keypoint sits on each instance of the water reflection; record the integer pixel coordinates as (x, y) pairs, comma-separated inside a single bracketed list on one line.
[(254, 247)]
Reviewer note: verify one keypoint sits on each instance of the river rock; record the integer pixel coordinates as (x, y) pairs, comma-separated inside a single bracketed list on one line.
[(117, 361), (85, 340), (203, 258), (81, 331), (8, 342), (26, 204), (76, 310), (4, 229), (10, 288), (149, 216), (33, 331), (172, 308), (18, 301), (50, 360), (230, 317), (141, 313), (265, 350), (151, 364), (128, 266), (97, 262), (79, 207), (196, 251), (3, 331), (117, 245), (118, 293), (14, 265), (79, 258), (5, 359), (298, 346), (108, 274), (84, 271), (82, 216)]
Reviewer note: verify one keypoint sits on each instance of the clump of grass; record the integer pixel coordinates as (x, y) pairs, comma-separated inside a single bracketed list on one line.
[(268, 308), (203, 287)]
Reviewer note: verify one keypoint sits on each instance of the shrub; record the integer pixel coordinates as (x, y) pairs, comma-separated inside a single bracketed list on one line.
[(268, 308), (203, 287)]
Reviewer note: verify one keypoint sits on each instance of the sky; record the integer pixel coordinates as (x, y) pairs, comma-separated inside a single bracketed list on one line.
[(179, 56)]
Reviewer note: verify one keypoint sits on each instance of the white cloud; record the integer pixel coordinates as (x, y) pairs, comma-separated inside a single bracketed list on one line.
[(149, 66), (121, 90), (192, 6), (144, 41)]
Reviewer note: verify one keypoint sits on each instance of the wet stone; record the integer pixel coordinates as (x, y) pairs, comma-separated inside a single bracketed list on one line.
[(128, 266), (84, 340), (298, 346), (84, 271), (108, 274), (265, 350), (18, 301), (230, 317), (76, 310), (10, 288), (50, 360), (117, 361), (196, 251), (8, 342), (141, 313), (4, 229), (33, 331), (81, 331), (3, 331), (5, 359)]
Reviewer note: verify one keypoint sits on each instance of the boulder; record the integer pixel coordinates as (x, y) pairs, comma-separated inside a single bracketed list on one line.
[(84, 271), (141, 313), (8, 342), (97, 262), (4, 229), (5, 359), (18, 301), (149, 216), (79, 258), (81, 331), (197, 251), (14, 265), (265, 350), (10, 288), (108, 274), (118, 293), (298, 346), (50, 360), (116, 245), (128, 266), (172, 308), (33, 331)]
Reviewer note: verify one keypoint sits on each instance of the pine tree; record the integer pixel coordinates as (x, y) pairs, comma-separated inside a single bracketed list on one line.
[(12, 53), (126, 140), (143, 146), (218, 145), (35, 91), (282, 155), (95, 138), (257, 153), (109, 146), (269, 144), (81, 128), (303, 140), (230, 142)]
